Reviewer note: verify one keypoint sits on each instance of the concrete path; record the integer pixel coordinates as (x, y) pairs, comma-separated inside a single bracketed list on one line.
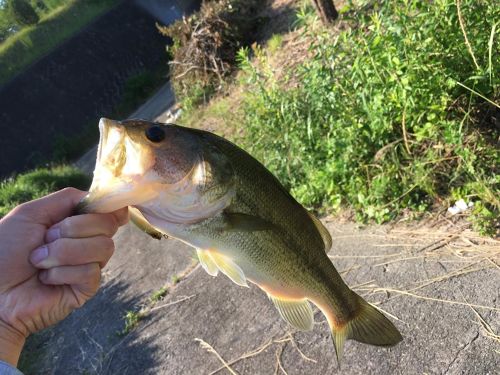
[(418, 276)]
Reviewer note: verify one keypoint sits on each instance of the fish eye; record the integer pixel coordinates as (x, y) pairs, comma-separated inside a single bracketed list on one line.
[(155, 134)]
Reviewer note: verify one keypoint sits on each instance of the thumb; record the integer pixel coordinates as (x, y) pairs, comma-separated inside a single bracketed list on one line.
[(54, 207)]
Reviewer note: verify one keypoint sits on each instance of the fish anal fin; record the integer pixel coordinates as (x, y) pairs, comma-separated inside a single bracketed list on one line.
[(228, 267), (140, 221), (325, 235), (297, 313), (246, 223), (207, 262)]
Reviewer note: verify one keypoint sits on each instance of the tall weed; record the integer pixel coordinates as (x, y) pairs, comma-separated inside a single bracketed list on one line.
[(395, 112)]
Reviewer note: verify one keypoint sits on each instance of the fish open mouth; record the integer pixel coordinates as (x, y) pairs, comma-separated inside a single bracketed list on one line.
[(116, 179), (111, 150)]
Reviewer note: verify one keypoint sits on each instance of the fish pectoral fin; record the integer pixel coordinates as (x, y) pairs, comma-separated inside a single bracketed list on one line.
[(140, 221), (246, 223), (297, 313), (207, 262), (228, 267)]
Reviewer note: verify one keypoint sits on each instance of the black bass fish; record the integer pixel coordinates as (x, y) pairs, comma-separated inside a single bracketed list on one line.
[(207, 192)]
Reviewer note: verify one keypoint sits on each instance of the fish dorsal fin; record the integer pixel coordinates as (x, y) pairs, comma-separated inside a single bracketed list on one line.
[(297, 313), (207, 262), (140, 221), (236, 221), (325, 235), (228, 267)]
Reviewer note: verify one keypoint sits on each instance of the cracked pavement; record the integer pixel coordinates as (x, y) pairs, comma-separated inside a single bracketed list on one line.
[(442, 336)]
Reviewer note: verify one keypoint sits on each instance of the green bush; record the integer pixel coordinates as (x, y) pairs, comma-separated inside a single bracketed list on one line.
[(394, 112), (37, 183), (22, 12)]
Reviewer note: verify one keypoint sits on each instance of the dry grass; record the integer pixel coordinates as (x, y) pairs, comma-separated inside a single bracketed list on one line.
[(280, 344), (439, 241)]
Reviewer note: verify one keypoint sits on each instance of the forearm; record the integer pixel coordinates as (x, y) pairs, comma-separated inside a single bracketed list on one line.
[(11, 344)]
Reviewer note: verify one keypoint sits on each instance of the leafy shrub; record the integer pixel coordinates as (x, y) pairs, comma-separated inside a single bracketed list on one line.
[(22, 12), (396, 111)]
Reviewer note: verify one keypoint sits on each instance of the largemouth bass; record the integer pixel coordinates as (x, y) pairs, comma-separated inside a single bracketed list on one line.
[(207, 192)]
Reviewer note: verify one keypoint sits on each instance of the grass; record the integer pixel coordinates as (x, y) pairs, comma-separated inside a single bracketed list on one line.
[(132, 319), (37, 183), (31, 43), (176, 279), (159, 295), (392, 115), (275, 43)]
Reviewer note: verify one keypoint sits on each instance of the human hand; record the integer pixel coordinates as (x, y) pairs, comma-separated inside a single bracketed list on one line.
[(50, 264)]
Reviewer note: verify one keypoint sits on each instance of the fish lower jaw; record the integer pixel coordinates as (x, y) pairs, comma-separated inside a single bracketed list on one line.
[(116, 196)]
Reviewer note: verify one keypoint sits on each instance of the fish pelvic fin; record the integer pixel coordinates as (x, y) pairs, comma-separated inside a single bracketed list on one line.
[(368, 326)]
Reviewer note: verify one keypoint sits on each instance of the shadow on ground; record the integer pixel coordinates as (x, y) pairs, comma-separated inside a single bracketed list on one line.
[(87, 340)]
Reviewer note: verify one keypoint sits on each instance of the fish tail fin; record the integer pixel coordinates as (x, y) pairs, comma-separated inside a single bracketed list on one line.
[(368, 326), (339, 337)]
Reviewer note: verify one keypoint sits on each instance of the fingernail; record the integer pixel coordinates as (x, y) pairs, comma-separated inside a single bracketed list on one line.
[(53, 234), (39, 255)]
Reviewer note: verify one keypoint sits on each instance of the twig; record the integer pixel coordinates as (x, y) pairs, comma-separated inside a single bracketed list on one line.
[(363, 256), (387, 313), (300, 351), (205, 345), (405, 137), (398, 260), (403, 292), (439, 243), (462, 26), (486, 327), (279, 352), (172, 303), (478, 94), (245, 356)]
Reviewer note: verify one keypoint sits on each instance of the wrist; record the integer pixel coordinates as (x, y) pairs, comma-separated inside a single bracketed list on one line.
[(11, 344)]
